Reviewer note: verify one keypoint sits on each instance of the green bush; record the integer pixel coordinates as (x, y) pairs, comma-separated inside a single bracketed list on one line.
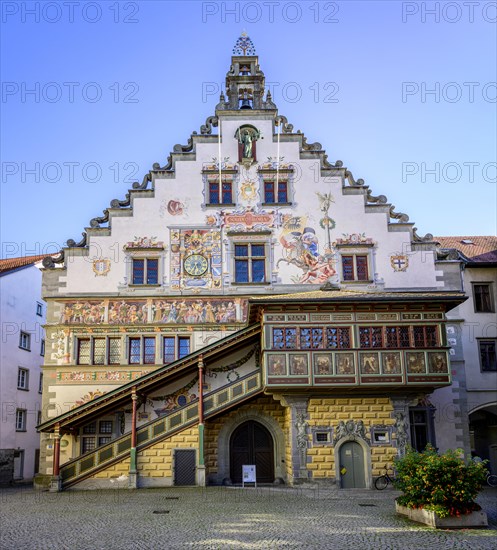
[(446, 484)]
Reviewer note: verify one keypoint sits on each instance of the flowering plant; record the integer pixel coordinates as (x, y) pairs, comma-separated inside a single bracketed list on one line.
[(446, 483)]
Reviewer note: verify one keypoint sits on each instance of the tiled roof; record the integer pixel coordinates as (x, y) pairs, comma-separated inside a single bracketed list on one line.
[(340, 295), (14, 263), (470, 246)]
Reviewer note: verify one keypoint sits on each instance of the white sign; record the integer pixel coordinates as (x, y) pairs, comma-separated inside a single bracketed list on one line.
[(248, 474)]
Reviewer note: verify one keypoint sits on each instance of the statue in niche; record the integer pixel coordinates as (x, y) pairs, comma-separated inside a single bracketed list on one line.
[(246, 137)]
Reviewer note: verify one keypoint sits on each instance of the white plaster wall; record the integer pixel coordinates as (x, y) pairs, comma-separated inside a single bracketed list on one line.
[(20, 291), (151, 219)]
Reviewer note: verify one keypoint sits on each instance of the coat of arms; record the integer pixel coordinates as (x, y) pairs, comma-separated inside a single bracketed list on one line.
[(399, 262), (101, 267)]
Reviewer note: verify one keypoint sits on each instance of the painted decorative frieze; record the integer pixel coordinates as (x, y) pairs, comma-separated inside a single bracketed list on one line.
[(168, 311), (145, 242), (354, 239), (245, 219), (89, 376)]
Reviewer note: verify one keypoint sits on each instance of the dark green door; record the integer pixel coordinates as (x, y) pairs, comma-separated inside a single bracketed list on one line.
[(352, 466)]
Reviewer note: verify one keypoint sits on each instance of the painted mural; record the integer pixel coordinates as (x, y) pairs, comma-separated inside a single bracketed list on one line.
[(196, 261), (301, 245), (170, 311), (125, 312), (83, 312)]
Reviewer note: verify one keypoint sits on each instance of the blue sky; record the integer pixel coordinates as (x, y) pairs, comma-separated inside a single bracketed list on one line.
[(114, 85)]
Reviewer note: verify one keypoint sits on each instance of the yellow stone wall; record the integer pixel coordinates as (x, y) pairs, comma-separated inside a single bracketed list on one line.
[(157, 460), (116, 470), (329, 412), (263, 405)]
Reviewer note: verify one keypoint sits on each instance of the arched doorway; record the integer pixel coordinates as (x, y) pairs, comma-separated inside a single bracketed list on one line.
[(483, 434), (251, 443), (352, 472)]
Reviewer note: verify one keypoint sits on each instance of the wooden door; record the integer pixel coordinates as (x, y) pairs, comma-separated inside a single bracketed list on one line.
[(251, 443)]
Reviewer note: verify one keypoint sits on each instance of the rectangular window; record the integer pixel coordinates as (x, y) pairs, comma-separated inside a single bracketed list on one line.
[(322, 437), (370, 337), (83, 351), (40, 383), (149, 350), (338, 337), (95, 351), (87, 444), (311, 338), (284, 338), (137, 356), (175, 348), (145, 271), (273, 195), (482, 297), (38, 418), (105, 426), (21, 415), (227, 196), (397, 337), (25, 341), (425, 336), (355, 268), (422, 429), (183, 346), (22, 379), (488, 360), (114, 352), (221, 194), (103, 440), (134, 351), (250, 263), (98, 351), (214, 192), (42, 348), (90, 428), (269, 192), (39, 309), (282, 191)]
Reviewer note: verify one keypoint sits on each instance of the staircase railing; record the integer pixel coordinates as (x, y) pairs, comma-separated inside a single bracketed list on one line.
[(160, 428)]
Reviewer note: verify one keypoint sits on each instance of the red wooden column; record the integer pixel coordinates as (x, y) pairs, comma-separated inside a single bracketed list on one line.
[(56, 452)]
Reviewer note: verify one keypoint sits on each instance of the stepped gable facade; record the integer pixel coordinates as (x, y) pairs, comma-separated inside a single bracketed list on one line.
[(249, 302)]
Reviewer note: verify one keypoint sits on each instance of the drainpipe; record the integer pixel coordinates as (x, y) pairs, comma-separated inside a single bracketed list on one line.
[(201, 458)]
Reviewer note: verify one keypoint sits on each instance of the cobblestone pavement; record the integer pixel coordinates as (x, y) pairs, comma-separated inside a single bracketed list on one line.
[(219, 517)]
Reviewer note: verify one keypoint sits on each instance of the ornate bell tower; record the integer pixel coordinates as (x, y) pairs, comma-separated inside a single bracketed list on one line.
[(245, 82)]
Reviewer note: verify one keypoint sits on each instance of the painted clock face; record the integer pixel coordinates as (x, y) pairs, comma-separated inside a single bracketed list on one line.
[(196, 265)]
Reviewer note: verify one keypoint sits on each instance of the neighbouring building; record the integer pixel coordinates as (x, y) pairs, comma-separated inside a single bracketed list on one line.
[(22, 312), (248, 303), (470, 265)]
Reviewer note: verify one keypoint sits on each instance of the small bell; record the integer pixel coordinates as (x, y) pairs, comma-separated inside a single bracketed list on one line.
[(245, 104)]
